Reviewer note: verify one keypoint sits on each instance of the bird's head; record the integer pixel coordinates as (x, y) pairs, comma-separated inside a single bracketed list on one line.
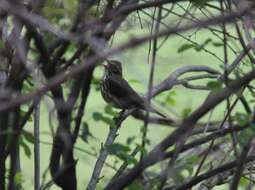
[(113, 67)]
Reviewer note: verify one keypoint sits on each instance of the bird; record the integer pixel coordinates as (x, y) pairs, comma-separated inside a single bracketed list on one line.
[(116, 90)]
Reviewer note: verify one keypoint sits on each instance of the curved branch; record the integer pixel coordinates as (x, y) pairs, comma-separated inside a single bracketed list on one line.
[(212, 100), (172, 79), (216, 171)]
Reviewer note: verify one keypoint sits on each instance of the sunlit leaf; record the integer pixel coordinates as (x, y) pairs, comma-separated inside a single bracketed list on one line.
[(18, 178), (186, 112), (170, 98)]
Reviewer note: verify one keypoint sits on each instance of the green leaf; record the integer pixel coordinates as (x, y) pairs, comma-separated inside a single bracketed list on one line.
[(108, 121), (129, 159), (23, 113), (18, 178), (133, 81), (201, 46), (97, 83), (207, 41), (85, 132), (25, 147), (186, 112), (135, 186), (97, 116), (122, 152), (53, 11), (141, 149), (242, 119), (70, 6), (1, 44), (109, 110), (199, 3), (28, 136), (130, 140), (185, 47), (244, 182), (116, 148), (214, 85), (244, 136), (217, 44), (170, 98)]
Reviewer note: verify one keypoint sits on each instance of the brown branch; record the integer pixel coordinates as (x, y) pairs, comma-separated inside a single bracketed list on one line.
[(58, 79), (187, 126), (213, 172)]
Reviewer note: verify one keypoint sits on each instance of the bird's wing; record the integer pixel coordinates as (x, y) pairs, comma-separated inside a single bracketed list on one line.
[(123, 91)]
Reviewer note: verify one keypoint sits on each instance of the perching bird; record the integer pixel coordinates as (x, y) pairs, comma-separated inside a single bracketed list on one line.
[(116, 90)]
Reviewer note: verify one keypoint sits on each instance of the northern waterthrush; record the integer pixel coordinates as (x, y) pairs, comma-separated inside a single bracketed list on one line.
[(116, 90)]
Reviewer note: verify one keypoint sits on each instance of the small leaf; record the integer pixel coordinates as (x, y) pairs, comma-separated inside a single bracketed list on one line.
[(214, 85), (28, 136), (245, 136), (130, 140), (25, 148), (244, 182), (185, 47), (129, 159), (97, 83), (122, 152), (117, 148), (186, 112), (109, 110), (97, 116), (85, 132), (133, 81), (207, 41), (18, 178), (141, 149), (199, 3), (170, 98), (23, 113), (135, 186), (108, 121), (242, 119), (217, 44), (201, 46)]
